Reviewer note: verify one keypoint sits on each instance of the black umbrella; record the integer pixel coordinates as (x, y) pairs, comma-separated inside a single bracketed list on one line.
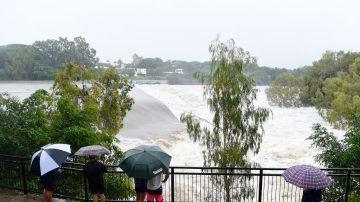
[(145, 161)]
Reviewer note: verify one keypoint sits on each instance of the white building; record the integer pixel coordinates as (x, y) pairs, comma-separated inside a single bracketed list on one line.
[(179, 71), (140, 71)]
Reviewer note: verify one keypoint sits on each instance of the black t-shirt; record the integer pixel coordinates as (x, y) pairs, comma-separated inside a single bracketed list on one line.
[(311, 195), (94, 171)]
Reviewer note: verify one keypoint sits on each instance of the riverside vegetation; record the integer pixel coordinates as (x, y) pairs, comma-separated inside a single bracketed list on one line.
[(83, 108), (332, 85)]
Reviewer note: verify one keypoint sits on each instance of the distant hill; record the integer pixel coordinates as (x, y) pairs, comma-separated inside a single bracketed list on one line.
[(42, 59)]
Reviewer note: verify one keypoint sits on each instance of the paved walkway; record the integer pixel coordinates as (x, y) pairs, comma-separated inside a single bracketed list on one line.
[(14, 196)]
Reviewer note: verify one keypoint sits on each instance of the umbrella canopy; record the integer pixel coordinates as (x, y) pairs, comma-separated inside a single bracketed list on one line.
[(49, 158), (145, 161), (92, 150), (307, 176)]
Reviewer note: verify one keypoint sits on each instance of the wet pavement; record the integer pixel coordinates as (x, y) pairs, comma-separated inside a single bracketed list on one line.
[(15, 196)]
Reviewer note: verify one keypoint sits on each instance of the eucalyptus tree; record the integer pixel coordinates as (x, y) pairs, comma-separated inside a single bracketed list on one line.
[(237, 125)]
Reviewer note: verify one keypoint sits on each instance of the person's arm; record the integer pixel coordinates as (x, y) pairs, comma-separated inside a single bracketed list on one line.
[(103, 168), (166, 172), (85, 170)]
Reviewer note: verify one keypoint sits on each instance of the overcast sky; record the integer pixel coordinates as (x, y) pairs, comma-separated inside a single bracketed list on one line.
[(280, 33)]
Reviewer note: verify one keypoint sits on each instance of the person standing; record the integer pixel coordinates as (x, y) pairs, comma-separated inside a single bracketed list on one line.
[(154, 187), (94, 171), (140, 189), (48, 180), (311, 195)]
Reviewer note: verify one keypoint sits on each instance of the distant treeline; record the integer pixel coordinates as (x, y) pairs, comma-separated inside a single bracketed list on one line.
[(42, 59)]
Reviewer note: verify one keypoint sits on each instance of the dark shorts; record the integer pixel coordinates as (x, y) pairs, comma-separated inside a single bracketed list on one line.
[(155, 192), (97, 188), (49, 182), (140, 185)]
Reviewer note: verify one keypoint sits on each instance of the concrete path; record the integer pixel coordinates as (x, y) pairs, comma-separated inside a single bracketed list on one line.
[(15, 196)]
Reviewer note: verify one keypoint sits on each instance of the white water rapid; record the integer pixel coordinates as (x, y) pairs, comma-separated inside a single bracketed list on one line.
[(284, 143)]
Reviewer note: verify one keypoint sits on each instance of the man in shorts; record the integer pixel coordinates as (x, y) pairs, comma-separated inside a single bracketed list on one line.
[(140, 188), (94, 171), (48, 180), (154, 187)]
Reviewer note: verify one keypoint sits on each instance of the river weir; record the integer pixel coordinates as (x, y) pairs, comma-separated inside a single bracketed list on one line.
[(154, 119)]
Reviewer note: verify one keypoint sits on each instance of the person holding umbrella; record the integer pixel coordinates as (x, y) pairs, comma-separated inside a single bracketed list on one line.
[(145, 163), (46, 163), (48, 181), (94, 170), (310, 178)]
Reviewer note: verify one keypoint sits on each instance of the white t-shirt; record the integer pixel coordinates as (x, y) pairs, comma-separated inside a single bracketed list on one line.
[(155, 182)]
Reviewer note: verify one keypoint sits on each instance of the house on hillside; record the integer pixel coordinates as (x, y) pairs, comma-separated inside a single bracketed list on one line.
[(179, 71), (140, 71)]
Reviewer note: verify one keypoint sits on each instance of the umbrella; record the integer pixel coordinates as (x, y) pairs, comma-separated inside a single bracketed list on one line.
[(92, 150), (145, 161), (49, 157), (307, 177)]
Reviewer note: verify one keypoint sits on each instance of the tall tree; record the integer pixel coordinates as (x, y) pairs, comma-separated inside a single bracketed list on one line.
[(344, 88), (56, 53), (326, 67), (95, 104), (236, 121)]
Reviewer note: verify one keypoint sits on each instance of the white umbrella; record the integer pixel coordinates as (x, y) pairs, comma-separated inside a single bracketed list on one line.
[(49, 158)]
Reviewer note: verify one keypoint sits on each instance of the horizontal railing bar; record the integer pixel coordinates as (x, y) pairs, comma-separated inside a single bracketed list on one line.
[(201, 168)]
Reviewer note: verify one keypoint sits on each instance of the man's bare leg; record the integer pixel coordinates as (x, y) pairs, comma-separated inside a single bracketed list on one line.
[(102, 197), (95, 198)]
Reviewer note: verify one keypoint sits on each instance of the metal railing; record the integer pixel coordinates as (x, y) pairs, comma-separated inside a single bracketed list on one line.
[(184, 184)]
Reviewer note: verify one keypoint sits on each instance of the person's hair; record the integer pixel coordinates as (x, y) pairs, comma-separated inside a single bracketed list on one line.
[(92, 157)]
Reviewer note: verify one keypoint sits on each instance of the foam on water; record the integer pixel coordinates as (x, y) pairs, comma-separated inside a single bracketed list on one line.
[(284, 143)]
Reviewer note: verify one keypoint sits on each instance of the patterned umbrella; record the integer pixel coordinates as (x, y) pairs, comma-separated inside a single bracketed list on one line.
[(145, 161), (92, 150), (307, 176), (49, 158)]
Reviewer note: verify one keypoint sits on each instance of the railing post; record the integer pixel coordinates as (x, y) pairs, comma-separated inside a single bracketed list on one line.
[(23, 173), (260, 184), (347, 186), (172, 185), (85, 186)]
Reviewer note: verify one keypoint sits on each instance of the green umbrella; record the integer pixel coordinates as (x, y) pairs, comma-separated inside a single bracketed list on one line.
[(145, 161)]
